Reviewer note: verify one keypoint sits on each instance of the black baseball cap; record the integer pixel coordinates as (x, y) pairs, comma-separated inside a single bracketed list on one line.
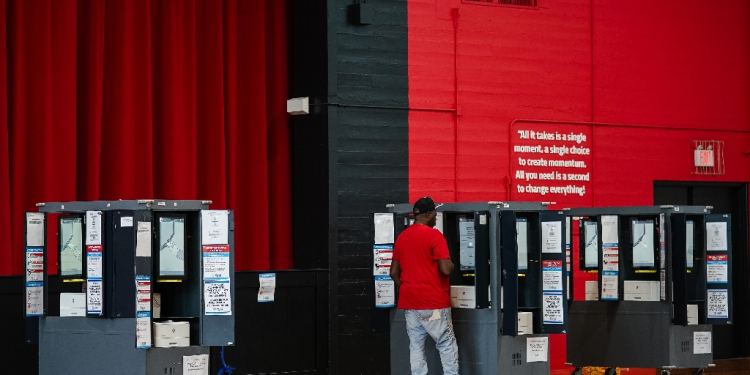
[(424, 205)]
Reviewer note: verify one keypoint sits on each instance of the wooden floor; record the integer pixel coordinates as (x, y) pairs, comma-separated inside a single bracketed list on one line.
[(723, 367)]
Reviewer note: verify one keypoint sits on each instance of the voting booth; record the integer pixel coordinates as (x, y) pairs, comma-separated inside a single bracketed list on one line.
[(663, 279), (156, 286), (507, 289)]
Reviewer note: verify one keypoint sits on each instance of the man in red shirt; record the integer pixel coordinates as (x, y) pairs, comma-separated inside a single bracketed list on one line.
[(420, 268)]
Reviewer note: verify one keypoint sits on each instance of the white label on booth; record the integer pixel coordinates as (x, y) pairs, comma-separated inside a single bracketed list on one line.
[(34, 264), (701, 342), (609, 229), (195, 364), (218, 297), (382, 256), (718, 269), (143, 239), (553, 308), (94, 296), (94, 262), (718, 303), (385, 292), (143, 330), (552, 275), (552, 237), (609, 285), (716, 236), (215, 261), (215, 227), (267, 288), (34, 299), (143, 293), (537, 349), (93, 227), (126, 221), (34, 229), (384, 232)]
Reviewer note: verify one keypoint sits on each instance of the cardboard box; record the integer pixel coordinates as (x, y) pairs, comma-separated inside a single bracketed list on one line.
[(169, 334), (73, 304), (525, 323), (642, 290), (692, 315), (592, 290)]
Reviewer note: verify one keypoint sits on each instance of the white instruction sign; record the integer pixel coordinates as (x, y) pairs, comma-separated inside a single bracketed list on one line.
[(34, 263), (382, 256), (142, 293), (34, 298), (126, 221), (267, 287), (609, 229), (716, 236), (94, 263), (217, 295), (195, 364), (609, 285), (552, 275), (552, 237), (384, 229), (34, 229), (93, 227), (143, 239), (385, 292), (143, 330), (701, 342), (718, 303), (553, 307), (216, 261), (537, 349), (215, 227), (94, 296), (717, 268)]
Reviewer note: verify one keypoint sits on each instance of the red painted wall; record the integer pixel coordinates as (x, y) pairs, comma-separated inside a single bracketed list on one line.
[(651, 76)]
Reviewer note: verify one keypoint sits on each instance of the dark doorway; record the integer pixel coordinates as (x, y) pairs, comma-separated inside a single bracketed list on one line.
[(730, 341)]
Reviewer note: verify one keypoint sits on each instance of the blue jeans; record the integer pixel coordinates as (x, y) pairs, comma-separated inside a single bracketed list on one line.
[(436, 323)]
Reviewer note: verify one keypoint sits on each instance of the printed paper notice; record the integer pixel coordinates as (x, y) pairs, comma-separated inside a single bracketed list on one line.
[(718, 269), (385, 292), (552, 237), (34, 300), (610, 257), (126, 221), (267, 287), (609, 285), (218, 297), (716, 236), (143, 293), (553, 308), (382, 259), (34, 263), (94, 262), (143, 330), (552, 275), (195, 364), (536, 349), (216, 261), (143, 239), (439, 222), (94, 289), (215, 227), (93, 227), (718, 303), (34, 229), (384, 229), (609, 229), (701, 342)]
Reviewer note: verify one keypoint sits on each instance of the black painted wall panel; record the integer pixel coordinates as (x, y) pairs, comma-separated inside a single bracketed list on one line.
[(372, 165)]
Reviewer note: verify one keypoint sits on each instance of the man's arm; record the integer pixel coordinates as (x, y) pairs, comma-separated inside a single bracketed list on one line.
[(444, 265), (396, 272)]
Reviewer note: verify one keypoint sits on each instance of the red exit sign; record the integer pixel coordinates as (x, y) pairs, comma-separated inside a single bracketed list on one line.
[(704, 158)]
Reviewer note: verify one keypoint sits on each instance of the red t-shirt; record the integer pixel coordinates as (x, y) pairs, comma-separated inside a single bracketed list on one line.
[(417, 251)]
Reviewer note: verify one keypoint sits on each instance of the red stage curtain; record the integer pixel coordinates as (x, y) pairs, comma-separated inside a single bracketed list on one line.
[(134, 99)]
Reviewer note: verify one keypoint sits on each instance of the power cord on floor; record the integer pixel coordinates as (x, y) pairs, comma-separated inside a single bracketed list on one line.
[(226, 370)]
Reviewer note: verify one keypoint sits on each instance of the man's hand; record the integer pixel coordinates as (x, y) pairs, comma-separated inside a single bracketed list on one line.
[(445, 266), (396, 272)]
